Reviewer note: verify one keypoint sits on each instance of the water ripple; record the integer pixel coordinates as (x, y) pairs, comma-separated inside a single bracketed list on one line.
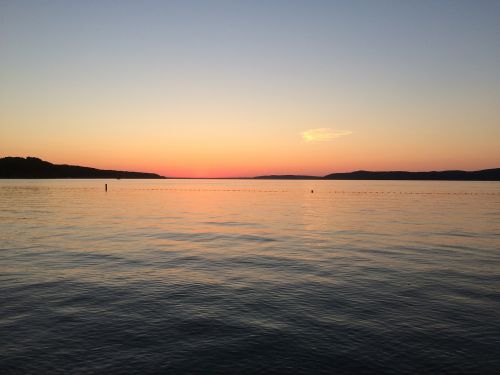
[(185, 277)]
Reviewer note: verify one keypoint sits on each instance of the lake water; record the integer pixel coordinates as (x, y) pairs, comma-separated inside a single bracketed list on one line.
[(249, 277)]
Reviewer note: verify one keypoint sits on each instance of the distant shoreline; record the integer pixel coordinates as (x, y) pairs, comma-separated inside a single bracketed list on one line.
[(456, 175), (35, 168)]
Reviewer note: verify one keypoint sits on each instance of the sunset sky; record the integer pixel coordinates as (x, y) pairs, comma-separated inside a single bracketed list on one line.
[(243, 88)]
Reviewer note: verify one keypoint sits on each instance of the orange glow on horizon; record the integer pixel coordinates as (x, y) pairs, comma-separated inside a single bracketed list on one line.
[(223, 168)]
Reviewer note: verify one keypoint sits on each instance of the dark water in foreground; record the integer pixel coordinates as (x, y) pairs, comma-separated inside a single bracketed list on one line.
[(249, 277)]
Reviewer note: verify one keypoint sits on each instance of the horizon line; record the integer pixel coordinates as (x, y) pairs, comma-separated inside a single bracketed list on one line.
[(286, 176)]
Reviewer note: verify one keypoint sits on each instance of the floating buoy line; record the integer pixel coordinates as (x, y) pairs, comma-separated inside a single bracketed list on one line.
[(305, 191), (346, 192)]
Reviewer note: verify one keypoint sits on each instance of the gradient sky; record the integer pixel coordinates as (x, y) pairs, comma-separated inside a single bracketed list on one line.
[(242, 88)]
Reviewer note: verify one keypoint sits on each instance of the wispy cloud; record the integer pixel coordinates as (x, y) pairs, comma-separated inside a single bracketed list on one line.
[(323, 134)]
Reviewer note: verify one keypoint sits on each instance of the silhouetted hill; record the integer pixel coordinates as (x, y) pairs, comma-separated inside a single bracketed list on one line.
[(482, 175), (30, 167)]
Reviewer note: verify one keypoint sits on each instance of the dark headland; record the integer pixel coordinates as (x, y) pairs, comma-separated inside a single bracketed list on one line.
[(481, 175), (30, 167)]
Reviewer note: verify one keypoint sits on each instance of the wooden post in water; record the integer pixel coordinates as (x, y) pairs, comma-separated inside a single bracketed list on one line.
[(105, 187)]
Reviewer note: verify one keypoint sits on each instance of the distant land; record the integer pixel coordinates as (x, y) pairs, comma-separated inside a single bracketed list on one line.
[(30, 167), (482, 175)]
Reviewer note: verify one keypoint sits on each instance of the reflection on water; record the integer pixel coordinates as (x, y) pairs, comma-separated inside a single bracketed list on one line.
[(242, 276)]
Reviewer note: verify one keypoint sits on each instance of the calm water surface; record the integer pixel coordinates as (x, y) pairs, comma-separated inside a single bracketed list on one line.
[(249, 277)]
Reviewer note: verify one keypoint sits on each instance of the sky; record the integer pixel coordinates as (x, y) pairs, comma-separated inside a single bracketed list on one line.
[(243, 88)]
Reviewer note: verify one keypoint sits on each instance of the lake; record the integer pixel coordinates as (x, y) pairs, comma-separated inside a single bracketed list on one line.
[(249, 277)]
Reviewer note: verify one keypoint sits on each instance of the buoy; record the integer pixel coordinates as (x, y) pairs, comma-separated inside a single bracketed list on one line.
[(105, 187), (312, 191)]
